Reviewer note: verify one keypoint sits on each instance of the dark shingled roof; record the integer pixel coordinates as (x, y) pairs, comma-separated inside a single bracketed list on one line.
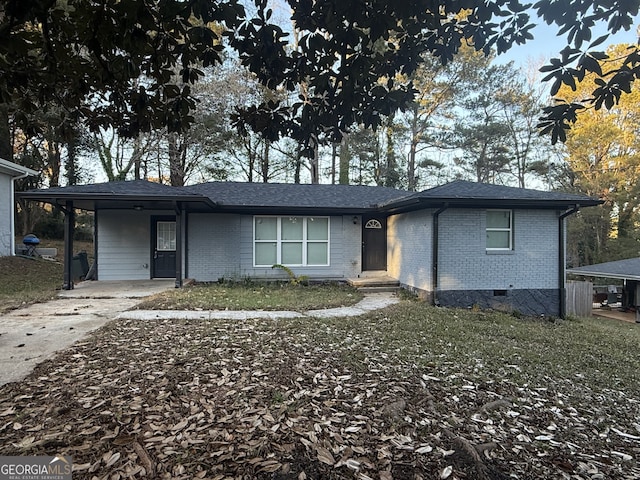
[(287, 195), (124, 187), (628, 269), (463, 193), (294, 198)]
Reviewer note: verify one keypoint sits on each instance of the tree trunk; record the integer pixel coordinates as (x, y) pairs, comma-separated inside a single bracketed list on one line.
[(334, 157), (6, 148), (176, 169), (314, 167), (413, 147), (53, 158), (72, 160), (297, 166), (391, 168), (264, 163), (344, 161)]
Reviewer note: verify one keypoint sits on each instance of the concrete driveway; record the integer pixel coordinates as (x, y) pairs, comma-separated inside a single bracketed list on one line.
[(32, 334)]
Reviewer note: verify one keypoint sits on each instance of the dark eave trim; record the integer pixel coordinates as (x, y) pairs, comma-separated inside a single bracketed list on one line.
[(617, 276), (92, 198), (425, 203)]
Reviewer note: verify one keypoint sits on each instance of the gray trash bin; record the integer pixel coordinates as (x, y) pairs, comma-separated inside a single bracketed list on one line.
[(80, 265)]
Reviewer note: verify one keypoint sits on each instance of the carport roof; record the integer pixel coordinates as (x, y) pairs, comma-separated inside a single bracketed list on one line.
[(628, 269), (122, 194)]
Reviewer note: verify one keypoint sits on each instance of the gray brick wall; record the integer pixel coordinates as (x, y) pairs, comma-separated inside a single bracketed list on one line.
[(221, 246), (409, 248), (525, 279), (214, 246), (465, 264)]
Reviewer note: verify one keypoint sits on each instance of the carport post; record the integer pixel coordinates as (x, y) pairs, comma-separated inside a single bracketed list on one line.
[(69, 229), (179, 220)]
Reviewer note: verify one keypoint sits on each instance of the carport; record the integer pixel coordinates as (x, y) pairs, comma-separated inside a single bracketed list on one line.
[(627, 270), (136, 196)]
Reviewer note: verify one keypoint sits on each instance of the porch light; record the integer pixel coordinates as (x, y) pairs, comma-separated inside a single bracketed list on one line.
[(138, 208)]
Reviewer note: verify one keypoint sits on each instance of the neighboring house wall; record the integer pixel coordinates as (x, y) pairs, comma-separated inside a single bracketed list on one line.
[(221, 247), (524, 279), (6, 204), (409, 250), (124, 244)]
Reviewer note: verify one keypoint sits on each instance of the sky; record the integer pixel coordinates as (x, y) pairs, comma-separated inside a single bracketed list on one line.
[(546, 44)]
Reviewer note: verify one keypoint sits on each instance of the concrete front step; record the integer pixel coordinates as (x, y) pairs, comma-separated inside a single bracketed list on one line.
[(383, 289), (375, 284)]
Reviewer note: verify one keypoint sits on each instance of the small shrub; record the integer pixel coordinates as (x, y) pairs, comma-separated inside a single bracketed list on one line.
[(293, 279)]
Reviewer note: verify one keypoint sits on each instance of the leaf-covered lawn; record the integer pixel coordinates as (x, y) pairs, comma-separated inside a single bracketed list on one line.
[(407, 392), (254, 296)]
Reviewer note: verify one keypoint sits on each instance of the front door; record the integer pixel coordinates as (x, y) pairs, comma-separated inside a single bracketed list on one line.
[(374, 243), (163, 238)]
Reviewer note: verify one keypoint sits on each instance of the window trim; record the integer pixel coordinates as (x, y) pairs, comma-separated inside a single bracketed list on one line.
[(510, 230), (280, 242)]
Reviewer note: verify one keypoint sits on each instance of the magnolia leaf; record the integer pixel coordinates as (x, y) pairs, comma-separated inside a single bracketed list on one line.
[(325, 456)]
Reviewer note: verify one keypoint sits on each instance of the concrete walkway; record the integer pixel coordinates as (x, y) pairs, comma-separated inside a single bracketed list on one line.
[(34, 333), (372, 301)]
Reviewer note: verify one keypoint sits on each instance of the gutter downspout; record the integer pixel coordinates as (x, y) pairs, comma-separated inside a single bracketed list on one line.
[(12, 215), (562, 259), (434, 253)]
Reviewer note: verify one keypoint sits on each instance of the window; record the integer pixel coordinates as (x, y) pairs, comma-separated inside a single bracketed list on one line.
[(499, 230), (166, 236), (300, 241)]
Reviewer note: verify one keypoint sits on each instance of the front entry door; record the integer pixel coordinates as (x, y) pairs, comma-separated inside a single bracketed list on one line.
[(163, 247), (374, 243)]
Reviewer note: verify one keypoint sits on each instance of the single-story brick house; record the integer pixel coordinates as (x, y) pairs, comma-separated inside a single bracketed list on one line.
[(9, 173), (459, 244)]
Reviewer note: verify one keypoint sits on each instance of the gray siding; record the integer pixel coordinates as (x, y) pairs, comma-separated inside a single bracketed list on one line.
[(221, 246), (124, 245), (6, 205)]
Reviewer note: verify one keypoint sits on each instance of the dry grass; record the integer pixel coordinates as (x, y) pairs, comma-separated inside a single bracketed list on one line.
[(254, 296), (27, 280), (30, 280)]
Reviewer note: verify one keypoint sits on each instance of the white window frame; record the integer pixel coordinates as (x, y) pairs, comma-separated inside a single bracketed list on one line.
[(305, 241), (501, 229)]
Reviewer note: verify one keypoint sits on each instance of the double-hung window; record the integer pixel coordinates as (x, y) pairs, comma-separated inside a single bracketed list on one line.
[(293, 241), (499, 230)]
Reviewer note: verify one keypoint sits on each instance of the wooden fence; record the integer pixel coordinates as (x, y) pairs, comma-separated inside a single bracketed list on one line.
[(579, 298)]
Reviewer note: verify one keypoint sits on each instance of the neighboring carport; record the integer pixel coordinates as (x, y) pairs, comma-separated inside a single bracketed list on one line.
[(628, 271)]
